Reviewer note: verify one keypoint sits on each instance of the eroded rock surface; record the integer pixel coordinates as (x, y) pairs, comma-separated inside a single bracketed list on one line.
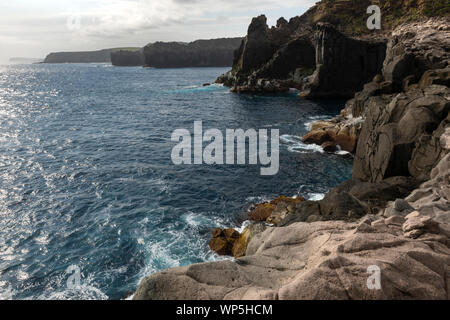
[(320, 260)]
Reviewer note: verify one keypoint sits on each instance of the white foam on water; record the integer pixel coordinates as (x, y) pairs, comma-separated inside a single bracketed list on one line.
[(257, 199), (315, 196), (296, 145), (341, 152), (244, 225), (312, 119), (196, 220)]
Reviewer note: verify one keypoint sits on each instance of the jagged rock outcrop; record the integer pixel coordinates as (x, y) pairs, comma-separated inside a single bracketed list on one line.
[(128, 58), (320, 60), (200, 53)]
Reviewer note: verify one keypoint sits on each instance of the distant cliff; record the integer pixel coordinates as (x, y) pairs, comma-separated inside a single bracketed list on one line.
[(200, 53), (24, 60), (127, 58), (99, 56)]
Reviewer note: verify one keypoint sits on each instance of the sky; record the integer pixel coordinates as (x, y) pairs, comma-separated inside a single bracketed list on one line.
[(34, 28)]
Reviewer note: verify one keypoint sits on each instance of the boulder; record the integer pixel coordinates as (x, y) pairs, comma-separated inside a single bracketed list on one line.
[(316, 137), (240, 245), (222, 241), (274, 211)]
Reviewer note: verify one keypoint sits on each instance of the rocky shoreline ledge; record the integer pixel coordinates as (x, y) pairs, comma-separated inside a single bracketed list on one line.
[(324, 258), (395, 212)]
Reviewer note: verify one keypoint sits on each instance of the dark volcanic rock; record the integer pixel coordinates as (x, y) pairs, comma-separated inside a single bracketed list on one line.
[(257, 48), (200, 53), (274, 59), (127, 58), (343, 65)]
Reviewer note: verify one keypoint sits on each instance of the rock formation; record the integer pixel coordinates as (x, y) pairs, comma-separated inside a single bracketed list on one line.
[(328, 52), (319, 60), (417, 62), (200, 53), (127, 58)]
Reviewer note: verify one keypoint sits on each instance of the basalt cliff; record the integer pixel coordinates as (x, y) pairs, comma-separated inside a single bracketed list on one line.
[(393, 217)]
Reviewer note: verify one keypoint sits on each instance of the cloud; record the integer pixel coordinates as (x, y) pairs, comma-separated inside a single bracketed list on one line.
[(44, 25), (121, 17)]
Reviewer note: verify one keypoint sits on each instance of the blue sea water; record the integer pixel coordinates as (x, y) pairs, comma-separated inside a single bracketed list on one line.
[(86, 177)]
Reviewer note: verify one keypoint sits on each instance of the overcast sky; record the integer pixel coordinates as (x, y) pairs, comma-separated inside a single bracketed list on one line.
[(33, 28)]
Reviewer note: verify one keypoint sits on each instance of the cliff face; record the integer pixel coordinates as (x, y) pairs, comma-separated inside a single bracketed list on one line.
[(200, 53), (328, 52), (394, 214), (128, 58), (406, 122), (317, 59), (343, 65)]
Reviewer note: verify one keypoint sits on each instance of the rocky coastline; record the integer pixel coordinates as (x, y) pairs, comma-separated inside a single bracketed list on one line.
[(393, 214)]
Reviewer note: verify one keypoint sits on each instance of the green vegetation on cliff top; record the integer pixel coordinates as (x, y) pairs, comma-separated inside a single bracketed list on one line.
[(350, 16)]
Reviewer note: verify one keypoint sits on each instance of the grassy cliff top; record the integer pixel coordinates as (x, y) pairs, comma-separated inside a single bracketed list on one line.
[(350, 16)]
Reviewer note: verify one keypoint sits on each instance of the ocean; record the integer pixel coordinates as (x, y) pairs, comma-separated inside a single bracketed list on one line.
[(87, 180)]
